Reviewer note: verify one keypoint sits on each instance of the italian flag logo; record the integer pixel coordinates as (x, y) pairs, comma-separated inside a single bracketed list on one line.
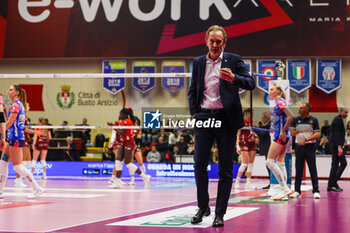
[(298, 72)]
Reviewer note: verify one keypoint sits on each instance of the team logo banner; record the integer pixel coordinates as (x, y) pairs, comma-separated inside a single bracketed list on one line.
[(113, 85), (173, 84), (328, 75), (144, 84), (299, 74), (265, 67), (248, 64), (66, 98)]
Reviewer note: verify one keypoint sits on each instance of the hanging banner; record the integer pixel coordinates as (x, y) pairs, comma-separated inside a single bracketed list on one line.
[(265, 67), (113, 85), (248, 64), (299, 75), (328, 75), (173, 84), (145, 84)]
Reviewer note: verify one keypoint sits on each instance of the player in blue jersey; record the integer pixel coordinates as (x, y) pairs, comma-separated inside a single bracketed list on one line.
[(13, 149), (281, 120)]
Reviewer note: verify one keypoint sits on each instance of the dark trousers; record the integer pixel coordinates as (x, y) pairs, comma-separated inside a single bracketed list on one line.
[(302, 153), (204, 139), (336, 169)]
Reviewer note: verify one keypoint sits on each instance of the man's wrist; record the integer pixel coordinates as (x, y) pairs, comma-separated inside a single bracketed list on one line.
[(306, 139)]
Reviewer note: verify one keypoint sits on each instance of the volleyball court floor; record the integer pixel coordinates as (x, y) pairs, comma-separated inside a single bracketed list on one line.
[(87, 205)]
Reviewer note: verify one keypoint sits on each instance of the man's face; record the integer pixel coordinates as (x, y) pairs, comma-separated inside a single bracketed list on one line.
[(303, 109), (215, 44), (345, 113)]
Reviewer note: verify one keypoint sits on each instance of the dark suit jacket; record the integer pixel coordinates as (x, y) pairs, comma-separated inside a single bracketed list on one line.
[(337, 132), (228, 90)]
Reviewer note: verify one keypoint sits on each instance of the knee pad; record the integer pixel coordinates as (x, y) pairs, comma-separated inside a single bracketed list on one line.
[(4, 166), (280, 164), (132, 168), (43, 163), (242, 167), (118, 165), (26, 163), (270, 163), (20, 169), (250, 167)]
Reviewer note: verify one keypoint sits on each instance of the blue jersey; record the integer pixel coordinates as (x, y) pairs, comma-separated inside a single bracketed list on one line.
[(279, 118), (16, 131)]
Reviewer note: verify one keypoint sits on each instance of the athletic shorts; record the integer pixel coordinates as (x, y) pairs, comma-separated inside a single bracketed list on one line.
[(116, 145), (17, 143), (248, 146), (129, 145), (42, 146), (279, 141)]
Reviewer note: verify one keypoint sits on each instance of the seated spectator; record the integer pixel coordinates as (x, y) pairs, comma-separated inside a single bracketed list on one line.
[(323, 146), (182, 144), (108, 155), (146, 136), (163, 147), (325, 129), (174, 137), (190, 149), (85, 136), (153, 156), (64, 123), (186, 136), (163, 134), (170, 157)]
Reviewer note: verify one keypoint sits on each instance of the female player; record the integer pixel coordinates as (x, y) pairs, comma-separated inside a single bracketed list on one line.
[(137, 152), (13, 149), (246, 147), (41, 145), (282, 118), (125, 151)]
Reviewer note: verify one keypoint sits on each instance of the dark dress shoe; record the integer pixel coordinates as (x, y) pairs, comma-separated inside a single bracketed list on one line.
[(337, 186), (218, 220), (197, 218), (266, 187), (334, 189)]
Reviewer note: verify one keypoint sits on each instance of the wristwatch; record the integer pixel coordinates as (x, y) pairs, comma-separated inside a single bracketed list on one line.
[(306, 139)]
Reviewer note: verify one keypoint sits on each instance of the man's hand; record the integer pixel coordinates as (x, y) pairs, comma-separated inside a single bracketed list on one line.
[(340, 151), (301, 142), (226, 74)]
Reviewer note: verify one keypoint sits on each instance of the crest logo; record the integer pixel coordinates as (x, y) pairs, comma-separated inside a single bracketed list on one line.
[(298, 72), (65, 99), (328, 73)]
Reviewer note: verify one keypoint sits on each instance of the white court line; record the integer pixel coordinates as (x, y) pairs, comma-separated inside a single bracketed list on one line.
[(85, 190), (60, 195)]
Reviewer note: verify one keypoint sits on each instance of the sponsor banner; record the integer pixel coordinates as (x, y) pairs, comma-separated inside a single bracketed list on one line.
[(113, 85), (146, 84), (106, 28), (248, 64), (299, 74), (105, 169), (180, 217), (173, 84), (265, 67), (328, 75)]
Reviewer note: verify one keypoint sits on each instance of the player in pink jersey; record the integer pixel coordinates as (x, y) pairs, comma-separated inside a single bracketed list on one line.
[(126, 150), (282, 118), (246, 147)]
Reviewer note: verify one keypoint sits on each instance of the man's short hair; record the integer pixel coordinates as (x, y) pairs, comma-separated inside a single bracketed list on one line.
[(216, 28), (308, 105)]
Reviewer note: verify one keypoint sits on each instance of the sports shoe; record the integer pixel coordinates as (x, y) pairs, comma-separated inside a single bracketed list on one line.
[(117, 184), (237, 184), (283, 194), (249, 186), (44, 177), (112, 180), (36, 193), (147, 180), (295, 195), (19, 183), (317, 196), (122, 182), (132, 183), (2, 195)]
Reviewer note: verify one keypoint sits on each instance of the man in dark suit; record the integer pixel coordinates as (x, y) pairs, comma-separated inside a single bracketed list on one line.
[(336, 141), (213, 95)]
